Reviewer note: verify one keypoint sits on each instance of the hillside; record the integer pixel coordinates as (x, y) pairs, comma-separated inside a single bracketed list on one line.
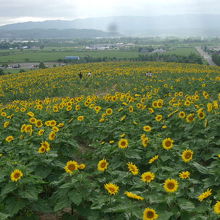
[(52, 34), (191, 25)]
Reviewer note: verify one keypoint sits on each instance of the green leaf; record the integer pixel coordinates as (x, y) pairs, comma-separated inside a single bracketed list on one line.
[(30, 194), (186, 205), (201, 168), (64, 203), (42, 206), (8, 188), (121, 208), (75, 197), (13, 206), (3, 216), (165, 215)]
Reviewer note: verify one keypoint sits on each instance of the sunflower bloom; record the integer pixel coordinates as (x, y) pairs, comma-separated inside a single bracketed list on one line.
[(184, 175), (217, 208), (16, 175), (187, 155), (147, 177), (171, 185), (80, 118), (9, 138), (150, 214), (52, 136), (145, 141), (111, 188), (153, 159), (133, 196), (158, 117), (71, 166), (109, 111), (123, 143), (102, 165), (182, 114), (81, 166), (147, 128), (167, 143), (190, 118), (45, 147), (133, 168), (205, 195)]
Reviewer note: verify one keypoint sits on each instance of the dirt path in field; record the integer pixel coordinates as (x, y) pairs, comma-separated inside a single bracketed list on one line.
[(206, 56)]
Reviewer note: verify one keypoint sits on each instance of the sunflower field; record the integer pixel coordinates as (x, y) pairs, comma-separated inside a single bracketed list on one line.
[(115, 145)]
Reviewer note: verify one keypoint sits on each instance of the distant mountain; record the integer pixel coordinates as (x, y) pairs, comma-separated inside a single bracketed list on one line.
[(52, 34), (178, 25)]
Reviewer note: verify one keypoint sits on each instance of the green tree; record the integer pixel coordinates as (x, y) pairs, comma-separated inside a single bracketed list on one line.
[(42, 65), (1, 72)]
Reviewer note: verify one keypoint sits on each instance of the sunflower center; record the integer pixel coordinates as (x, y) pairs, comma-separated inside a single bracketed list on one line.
[(123, 143), (103, 164), (168, 143), (170, 185), (188, 155), (112, 189), (16, 175), (71, 167), (150, 214), (147, 177)]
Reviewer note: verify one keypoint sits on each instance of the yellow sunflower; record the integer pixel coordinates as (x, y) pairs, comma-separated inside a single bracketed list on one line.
[(133, 196), (111, 188), (171, 185), (52, 136), (145, 141), (123, 143), (182, 114), (133, 168), (40, 132), (167, 143), (109, 111), (187, 155), (71, 166), (80, 118), (190, 118), (205, 195), (147, 177), (201, 115), (153, 159), (150, 214), (158, 117), (217, 208), (9, 138), (81, 166), (147, 128), (102, 165), (16, 175), (184, 175)]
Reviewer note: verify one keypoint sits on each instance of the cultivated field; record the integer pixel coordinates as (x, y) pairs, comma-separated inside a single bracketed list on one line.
[(116, 145)]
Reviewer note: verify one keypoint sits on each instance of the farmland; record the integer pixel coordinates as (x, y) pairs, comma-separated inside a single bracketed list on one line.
[(116, 145), (50, 55)]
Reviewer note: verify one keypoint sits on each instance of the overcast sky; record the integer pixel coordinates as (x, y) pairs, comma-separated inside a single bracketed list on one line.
[(13, 11)]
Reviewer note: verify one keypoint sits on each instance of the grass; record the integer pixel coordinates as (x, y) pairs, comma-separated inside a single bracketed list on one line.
[(183, 51), (51, 55)]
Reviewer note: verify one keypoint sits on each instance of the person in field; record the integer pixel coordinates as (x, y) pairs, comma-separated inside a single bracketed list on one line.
[(148, 74), (80, 75)]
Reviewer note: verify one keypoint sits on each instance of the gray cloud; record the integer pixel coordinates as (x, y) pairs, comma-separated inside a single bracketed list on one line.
[(23, 10)]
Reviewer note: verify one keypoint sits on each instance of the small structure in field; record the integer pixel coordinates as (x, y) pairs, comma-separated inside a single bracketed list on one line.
[(72, 58)]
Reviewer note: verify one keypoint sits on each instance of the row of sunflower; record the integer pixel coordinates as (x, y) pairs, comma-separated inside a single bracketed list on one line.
[(148, 152)]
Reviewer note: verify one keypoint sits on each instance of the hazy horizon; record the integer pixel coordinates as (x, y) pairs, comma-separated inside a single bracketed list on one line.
[(14, 11)]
